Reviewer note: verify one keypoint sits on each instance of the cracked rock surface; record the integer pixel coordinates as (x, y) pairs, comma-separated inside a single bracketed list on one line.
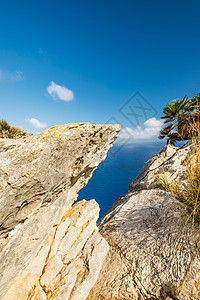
[(153, 243), (169, 161), (50, 249)]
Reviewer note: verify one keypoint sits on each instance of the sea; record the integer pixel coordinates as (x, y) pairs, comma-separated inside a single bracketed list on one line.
[(113, 176)]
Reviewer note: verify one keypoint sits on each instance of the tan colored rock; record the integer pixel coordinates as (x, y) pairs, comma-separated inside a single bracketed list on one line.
[(169, 161), (37, 171), (153, 243), (69, 260), (48, 247)]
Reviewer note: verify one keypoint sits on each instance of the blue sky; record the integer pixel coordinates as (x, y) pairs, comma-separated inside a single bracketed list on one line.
[(80, 61)]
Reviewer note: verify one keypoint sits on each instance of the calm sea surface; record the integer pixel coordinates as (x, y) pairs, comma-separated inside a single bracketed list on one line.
[(113, 176)]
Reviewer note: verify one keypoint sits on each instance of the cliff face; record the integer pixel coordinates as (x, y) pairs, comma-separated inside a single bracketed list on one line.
[(170, 160), (52, 249), (152, 239), (49, 248)]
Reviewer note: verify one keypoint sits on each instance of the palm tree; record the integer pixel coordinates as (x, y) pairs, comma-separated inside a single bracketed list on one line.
[(181, 116)]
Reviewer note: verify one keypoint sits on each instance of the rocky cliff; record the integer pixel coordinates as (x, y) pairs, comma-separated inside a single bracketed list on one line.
[(153, 241), (50, 248)]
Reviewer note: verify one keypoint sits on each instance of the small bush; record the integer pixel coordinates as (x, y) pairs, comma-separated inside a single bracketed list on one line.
[(11, 132)]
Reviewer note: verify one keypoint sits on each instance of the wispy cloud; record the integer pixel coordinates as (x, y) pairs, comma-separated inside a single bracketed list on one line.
[(41, 51), (1, 75), (150, 129), (60, 92), (16, 76), (36, 123), (11, 76)]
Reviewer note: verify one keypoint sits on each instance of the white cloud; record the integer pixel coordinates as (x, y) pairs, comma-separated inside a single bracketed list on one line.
[(153, 122), (60, 92), (36, 123), (150, 130), (11, 76)]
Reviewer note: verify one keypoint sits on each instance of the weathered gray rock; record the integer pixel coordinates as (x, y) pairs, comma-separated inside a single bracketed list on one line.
[(169, 161), (49, 248), (37, 171), (153, 243), (152, 249)]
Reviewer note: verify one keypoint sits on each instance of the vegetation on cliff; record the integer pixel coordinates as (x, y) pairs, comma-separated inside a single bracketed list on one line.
[(11, 132), (182, 119), (187, 191)]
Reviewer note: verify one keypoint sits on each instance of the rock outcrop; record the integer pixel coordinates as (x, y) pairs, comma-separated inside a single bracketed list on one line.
[(153, 243), (49, 248), (170, 161)]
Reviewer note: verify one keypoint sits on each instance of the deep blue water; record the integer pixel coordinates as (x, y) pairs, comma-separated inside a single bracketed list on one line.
[(112, 178)]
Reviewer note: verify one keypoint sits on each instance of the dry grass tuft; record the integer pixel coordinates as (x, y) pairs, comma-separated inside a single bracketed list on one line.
[(11, 132), (188, 190)]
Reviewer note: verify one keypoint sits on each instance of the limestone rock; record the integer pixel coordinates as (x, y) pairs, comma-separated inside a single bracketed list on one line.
[(48, 246), (37, 171), (153, 243), (152, 249), (68, 261), (169, 161)]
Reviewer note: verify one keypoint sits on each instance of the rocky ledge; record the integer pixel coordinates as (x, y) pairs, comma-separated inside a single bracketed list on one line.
[(152, 239), (50, 248)]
